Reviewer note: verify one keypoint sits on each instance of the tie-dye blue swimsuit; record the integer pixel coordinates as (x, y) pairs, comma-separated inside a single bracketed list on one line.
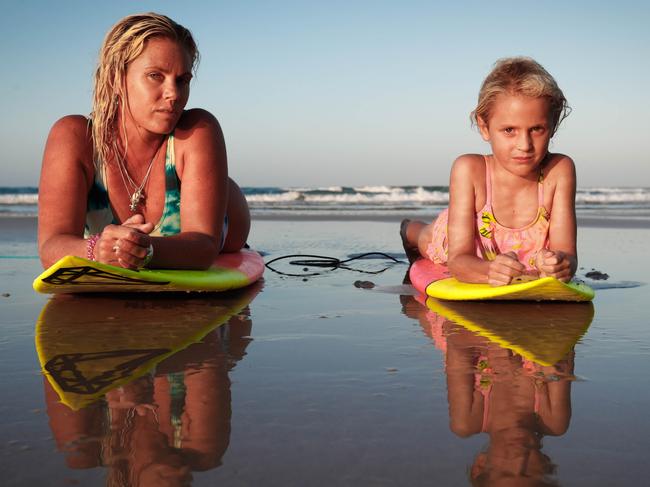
[(99, 213)]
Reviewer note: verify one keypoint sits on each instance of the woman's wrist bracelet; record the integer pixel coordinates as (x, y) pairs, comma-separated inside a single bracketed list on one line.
[(90, 245), (148, 257)]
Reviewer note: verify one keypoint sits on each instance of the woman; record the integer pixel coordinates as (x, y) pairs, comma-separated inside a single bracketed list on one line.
[(141, 182)]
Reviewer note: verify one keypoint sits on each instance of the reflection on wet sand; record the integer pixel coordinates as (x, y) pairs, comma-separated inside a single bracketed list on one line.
[(140, 385), (509, 370)]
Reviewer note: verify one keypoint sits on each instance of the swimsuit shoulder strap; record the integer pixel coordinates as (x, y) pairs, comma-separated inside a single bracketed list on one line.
[(488, 183), (171, 177), (170, 159), (540, 188)]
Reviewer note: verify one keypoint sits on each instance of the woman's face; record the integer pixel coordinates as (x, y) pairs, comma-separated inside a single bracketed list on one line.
[(157, 86)]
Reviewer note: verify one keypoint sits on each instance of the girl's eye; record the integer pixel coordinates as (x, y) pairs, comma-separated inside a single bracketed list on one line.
[(509, 130), (538, 130)]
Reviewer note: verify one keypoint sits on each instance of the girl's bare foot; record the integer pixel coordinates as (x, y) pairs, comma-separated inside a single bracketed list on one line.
[(412, 252)]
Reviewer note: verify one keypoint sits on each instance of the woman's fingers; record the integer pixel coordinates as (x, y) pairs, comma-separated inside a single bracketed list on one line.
[(137, 222), (123, 246)]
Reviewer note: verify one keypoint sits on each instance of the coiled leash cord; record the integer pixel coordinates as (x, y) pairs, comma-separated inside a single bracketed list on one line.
[(331, 263)]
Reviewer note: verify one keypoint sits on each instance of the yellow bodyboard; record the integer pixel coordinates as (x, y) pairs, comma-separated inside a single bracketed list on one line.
[(77, 275), (544, 289)]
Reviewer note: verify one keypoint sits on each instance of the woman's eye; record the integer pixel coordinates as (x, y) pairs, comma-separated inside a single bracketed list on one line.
[(509, 130), (155, 76)]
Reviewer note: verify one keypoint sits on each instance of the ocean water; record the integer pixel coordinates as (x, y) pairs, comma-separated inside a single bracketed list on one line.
[(365, 200)]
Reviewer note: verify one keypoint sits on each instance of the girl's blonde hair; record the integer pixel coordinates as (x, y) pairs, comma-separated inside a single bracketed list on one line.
[(521, 76), (123, 43)]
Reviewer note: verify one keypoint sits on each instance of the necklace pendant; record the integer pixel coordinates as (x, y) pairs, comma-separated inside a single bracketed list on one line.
[(135, 200)]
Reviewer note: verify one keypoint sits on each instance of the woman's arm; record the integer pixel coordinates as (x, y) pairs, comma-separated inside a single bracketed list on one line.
[(463, 261), (66, 176), (560, 259), (201, 165)]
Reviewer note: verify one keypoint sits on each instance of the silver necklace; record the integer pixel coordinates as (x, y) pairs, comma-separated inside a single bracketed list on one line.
[(136, 197)]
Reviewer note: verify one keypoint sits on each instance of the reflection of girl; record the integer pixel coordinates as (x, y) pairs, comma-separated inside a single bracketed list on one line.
[(142, 181), (495, 391), (157, 429)]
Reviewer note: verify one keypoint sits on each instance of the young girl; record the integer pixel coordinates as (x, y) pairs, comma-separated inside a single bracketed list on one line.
[(511, 212)]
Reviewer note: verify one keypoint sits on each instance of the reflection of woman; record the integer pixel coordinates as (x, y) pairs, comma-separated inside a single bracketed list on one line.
[(157, 429), (142, 181), (498, 392)]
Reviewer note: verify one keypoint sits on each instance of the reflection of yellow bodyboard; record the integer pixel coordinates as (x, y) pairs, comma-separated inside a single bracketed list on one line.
[(76, 275), (88, 345), (541, 332), (434, 280)]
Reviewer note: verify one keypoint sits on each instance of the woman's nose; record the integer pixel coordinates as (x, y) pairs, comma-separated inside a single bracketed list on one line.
[(170, 92)]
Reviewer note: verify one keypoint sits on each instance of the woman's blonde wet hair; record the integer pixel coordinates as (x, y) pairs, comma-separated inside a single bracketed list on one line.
[(123, 43), (520, 76)]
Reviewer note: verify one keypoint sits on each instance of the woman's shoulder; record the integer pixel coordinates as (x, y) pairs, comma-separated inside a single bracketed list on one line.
[(73, 126), (196, 118), (72, 135)]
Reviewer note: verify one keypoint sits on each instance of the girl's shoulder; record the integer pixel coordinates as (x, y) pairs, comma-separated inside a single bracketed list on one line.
[(469, 167), (558, 167), (469, 162)]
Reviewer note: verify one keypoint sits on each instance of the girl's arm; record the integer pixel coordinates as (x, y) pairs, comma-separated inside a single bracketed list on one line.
[(463, 262), (560, 259), (202, 167), (66, 176)]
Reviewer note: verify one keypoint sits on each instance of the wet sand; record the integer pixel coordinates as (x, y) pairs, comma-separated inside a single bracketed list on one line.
[(318, 382)]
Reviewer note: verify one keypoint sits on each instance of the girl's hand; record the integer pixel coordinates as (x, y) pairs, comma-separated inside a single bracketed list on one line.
[(504, 268), (554, 264), (125, 245)]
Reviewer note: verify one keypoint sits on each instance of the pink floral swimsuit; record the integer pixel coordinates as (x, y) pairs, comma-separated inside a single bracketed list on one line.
[(492, 238)]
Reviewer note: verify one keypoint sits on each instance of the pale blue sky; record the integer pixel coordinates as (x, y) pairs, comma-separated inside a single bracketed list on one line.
[(348, 92)]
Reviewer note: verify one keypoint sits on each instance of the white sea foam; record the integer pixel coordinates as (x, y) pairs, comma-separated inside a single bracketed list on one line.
[(275, 198), (18, 199), (371, 197), (378, 189), (612, 196)]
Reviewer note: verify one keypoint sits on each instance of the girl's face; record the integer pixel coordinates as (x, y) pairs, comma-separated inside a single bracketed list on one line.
[(157, 86), (519, 131)]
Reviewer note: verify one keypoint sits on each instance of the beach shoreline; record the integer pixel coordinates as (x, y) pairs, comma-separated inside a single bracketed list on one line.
[(23, 227)]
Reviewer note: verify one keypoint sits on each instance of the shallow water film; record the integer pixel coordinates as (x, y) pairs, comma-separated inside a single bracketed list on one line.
[(329, 377)]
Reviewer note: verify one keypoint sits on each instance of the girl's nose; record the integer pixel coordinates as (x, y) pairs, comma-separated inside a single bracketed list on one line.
[(524, 141)]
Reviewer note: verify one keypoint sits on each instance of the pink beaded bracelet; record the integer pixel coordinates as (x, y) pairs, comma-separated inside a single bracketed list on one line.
[(90, 245)]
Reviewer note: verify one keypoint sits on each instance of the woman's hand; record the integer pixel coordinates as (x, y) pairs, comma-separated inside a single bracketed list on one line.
[(555, 264), (504, 268), (125, 245)]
